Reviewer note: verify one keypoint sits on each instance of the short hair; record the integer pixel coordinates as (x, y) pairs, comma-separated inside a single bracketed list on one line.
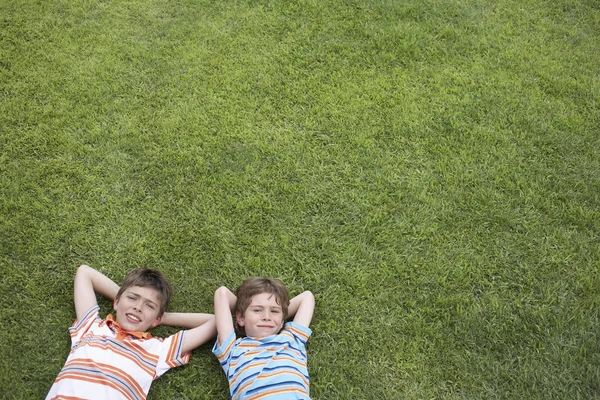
[(149, 278), (257, 285)]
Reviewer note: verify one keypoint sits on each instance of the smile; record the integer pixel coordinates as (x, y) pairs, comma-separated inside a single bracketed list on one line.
[(133, 317)]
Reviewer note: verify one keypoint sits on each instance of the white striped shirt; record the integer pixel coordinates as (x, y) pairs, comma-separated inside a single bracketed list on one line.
[(100, 366)]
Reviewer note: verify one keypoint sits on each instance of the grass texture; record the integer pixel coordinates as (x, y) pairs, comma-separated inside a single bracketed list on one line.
[(429, 169)]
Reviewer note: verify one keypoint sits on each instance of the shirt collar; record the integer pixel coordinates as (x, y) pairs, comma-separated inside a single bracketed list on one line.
[(122, 333)]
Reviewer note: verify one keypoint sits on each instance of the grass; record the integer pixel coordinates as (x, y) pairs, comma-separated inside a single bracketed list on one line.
[(429, 169)]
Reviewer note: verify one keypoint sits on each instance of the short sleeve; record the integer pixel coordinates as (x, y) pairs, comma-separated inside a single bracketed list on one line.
[(300, 332), (223, 351), (171, 354), (81, 326)]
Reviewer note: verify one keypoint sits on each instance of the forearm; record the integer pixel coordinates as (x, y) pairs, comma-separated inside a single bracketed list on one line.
[(104, 285), (297, 301), (185, 320), (301, 308), (87, 283)]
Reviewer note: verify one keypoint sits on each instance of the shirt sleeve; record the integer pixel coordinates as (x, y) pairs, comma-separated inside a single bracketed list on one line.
[(81, 326), (300, 332), (171, 355), (224, 351)]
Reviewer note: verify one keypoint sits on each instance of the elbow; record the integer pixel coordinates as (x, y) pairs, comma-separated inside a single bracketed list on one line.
[(309, 295), (221, 293), (82, 271), (224, 299)]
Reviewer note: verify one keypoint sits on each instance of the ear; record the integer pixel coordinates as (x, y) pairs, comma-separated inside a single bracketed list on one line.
[(156, 322), (239, 318), (115, 303)]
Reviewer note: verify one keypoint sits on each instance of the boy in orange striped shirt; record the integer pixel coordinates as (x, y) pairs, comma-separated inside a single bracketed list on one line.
[(116, 358)]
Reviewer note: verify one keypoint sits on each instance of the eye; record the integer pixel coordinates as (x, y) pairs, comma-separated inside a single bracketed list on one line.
[(131, 297), (151, 306), (276, 311)]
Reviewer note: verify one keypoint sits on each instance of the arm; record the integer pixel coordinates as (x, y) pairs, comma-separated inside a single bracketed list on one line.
[(185, 320), (201, 327), (302, 307), (224, 304), (200, 334), (87, 283)]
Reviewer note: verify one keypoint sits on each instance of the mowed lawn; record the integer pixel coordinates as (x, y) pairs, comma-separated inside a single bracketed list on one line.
[(430, 169)]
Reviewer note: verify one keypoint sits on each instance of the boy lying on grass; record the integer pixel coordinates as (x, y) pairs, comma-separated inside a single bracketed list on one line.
[(115, 358), (267, 361)]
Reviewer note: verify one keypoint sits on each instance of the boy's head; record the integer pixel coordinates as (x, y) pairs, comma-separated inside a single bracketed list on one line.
[(261, 307), (142, 299)]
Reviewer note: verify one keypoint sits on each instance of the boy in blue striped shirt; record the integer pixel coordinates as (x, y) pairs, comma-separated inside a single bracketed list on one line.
[(269, 360)]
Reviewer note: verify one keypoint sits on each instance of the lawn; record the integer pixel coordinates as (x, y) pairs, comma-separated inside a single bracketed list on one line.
[(429, 169)]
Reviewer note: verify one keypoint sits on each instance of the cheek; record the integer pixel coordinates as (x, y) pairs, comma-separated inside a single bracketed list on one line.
[(151, 313)]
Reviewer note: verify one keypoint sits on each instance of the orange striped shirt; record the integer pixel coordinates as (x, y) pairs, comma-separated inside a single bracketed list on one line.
[(102, 366)]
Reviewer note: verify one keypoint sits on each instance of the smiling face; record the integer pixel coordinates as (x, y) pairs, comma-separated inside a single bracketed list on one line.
[(263, 317), (138, 308)]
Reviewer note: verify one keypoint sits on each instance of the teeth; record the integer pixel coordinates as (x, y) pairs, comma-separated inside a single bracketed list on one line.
[(133, 317)]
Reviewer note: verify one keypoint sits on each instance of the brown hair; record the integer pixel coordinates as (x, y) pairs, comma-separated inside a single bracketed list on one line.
[(149, 278), (258, 285)]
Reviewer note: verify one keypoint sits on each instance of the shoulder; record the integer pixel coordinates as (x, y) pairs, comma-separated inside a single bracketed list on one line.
[(225, 345), (87, 319), (296, 330), (92, 313)]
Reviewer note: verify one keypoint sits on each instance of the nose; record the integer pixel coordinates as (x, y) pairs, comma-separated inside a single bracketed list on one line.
[(267, 316)]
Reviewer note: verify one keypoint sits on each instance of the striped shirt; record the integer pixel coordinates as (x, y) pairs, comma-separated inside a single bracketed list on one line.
[(273, 367), (102, 366)]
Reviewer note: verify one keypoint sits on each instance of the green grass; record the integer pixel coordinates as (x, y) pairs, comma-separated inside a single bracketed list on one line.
[(429, 169)]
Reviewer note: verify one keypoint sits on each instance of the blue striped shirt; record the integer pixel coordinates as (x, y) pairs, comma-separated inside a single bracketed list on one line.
[(272, 367)]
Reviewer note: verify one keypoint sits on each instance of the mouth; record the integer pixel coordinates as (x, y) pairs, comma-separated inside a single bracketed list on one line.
[(133, 318)]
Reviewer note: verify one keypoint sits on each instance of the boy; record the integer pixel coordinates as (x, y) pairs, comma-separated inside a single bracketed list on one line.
[(267, 361), (115, 358)]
